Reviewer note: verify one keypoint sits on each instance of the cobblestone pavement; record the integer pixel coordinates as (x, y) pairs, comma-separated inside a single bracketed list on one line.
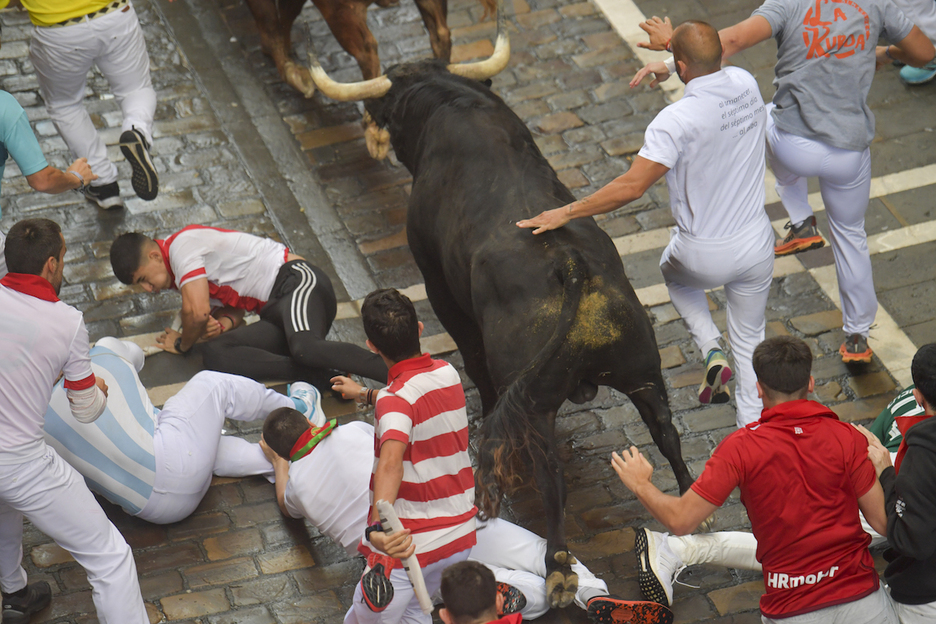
[(237, 148)]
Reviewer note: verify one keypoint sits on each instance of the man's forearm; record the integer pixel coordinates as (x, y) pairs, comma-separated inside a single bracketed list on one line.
[(281, 470), (387, 480), (612, 196), (193, 326), (664, 508)]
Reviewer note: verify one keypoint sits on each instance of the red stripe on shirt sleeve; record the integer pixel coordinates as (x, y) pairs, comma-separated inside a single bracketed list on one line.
[(193, 274), (81, 384)]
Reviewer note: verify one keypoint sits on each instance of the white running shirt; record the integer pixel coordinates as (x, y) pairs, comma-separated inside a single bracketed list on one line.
[(40, 337), (713, 141), (328, 486), (240, 268)]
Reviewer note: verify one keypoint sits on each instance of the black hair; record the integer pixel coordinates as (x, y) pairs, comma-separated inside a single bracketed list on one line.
[(126, 255), (923, 372), (783, 365), (30, 243), (282, 428), (390, 323), (469, 591)]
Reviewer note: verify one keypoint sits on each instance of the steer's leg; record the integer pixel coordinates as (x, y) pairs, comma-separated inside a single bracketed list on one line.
[(467, 335), (274, 23), (434, 14), (650, 400), (561, 581)]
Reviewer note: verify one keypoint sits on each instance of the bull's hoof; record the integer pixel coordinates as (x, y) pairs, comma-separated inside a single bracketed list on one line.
[(562, 582), (707, 525), (298, 78)]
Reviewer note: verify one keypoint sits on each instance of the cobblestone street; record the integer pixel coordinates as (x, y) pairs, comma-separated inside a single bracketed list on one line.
[(237, 148)]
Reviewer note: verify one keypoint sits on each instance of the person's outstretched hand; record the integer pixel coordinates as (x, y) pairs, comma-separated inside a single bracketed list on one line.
[(660, 31), (659, 71), (547, 220)]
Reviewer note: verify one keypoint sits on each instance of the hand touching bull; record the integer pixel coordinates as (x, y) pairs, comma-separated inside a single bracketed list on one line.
[(619, 192)]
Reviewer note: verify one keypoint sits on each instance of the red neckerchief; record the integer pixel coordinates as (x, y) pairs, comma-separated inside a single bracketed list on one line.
[(904, 423), (310, 439), (32, 285), (164, 252)]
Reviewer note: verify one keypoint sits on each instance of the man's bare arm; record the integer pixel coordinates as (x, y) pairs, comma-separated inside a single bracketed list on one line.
[(872, 506), (744, 35), (681, 515), (622, 190)]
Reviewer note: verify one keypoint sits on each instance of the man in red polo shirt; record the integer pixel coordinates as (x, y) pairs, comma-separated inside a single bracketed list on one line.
[(41, 337), (222, 274), (803, 475), (421, 465)]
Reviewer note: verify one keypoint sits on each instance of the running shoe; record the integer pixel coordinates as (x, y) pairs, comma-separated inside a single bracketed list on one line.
[(717, 374), (308, 395), (106, 196), (657, 566), (514, 600), (803, 236), (136, 150), (19, 606), (918, 75), (856, 349), (608, 610), (375, 582)]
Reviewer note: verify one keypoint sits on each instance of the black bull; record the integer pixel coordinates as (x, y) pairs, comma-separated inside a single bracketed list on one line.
[(538, 319)]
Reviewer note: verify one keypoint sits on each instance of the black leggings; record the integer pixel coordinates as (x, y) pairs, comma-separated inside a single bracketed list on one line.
[(288, 342)]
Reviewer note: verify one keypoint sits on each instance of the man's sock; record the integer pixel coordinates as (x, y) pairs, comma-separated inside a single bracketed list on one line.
[(587, 593)]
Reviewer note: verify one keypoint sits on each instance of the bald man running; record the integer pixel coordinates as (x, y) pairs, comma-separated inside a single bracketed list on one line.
[(710, 147)]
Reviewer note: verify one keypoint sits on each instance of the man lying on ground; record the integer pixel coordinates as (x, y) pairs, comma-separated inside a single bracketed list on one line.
[(157, 464)]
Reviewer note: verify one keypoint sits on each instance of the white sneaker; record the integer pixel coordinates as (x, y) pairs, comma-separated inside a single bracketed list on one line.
[(658, 566), (308, 394)]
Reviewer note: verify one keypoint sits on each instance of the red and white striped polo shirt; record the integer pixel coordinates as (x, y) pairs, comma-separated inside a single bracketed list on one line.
[(40, 337), (240, 268), (424, 407)]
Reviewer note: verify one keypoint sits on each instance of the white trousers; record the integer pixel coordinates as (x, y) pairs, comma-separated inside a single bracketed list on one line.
[(916, 614), (189, 447), (743, 264), (845, 185), (732, 549), (518, 557), (876, 608), (405, 606), (54, 497), (62, 58)]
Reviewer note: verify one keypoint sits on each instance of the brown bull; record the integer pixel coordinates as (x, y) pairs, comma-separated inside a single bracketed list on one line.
[(347, 20)]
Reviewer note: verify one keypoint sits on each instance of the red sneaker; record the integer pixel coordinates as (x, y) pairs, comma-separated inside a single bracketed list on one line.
[(514, 600), (802, 237), (375, 582)]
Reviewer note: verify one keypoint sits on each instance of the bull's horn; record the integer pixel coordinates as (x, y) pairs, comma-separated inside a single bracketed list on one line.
[(345, 92), (482, 70)]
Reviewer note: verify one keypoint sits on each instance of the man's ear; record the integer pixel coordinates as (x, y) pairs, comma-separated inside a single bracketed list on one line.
[(370, 345), (446, 616), (760, 390), (920, 400), (812, 384), (499, 603), (421, 327), (48, 269)]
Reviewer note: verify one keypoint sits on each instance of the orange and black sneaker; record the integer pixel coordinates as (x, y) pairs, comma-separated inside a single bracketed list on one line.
[(608, 610), (375, 582), (856, 349), (514, 600), (803, 236)]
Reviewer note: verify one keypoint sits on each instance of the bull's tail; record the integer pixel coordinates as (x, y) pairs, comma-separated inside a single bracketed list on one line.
[(508, 434)]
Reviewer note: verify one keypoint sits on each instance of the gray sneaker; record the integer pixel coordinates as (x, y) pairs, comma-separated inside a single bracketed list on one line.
[(106, 196)]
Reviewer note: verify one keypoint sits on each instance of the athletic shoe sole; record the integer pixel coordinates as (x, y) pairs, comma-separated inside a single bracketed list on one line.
[(799, 245), (377, 589), (713, 388), (849, 358), (607, 610), (144, 179), (514, 600), (650, 585), (108, 203)]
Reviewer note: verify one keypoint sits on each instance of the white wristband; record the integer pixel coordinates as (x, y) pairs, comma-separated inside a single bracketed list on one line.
[(77, 175), (670, 65)]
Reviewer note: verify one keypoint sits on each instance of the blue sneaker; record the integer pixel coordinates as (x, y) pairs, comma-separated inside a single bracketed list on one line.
[(309, 396), (918, 75)]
